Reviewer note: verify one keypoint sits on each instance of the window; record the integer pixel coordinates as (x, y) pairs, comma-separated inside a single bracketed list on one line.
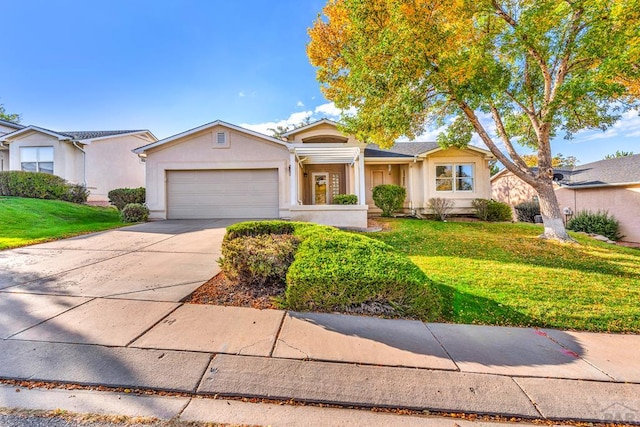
[(37, 159), (454, 177)]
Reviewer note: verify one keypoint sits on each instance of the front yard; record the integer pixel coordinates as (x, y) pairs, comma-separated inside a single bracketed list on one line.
[(27, 221), (502, 274)]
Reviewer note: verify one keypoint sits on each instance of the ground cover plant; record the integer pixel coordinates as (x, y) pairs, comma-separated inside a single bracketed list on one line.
[(331, 270), (27, 221), (503, 274)]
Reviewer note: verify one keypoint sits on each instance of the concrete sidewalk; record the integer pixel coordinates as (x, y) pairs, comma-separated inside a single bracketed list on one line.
[(336, 359), (104, 309)]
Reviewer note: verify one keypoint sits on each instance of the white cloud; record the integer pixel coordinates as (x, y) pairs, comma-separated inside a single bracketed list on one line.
[(329, 110), (300, 104), (241, 94), (293, 120), (628, 125)]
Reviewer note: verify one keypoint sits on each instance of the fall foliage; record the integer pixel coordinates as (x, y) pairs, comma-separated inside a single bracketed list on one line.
[(537, 67)]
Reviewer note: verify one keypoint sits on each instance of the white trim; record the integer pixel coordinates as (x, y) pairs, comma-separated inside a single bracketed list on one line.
[(309, 126), (488, 154), (322, 154), (613, 184), (141, 150), (142, 132), (11, 135)]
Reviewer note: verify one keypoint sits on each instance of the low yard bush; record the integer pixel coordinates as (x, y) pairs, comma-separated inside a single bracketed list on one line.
[(491, 210), (330, 269), (37, 185), (134, 212), (120, 197), (440, 207), (596, 223), (389, 198), (261, 260), (345, 199), (527, 211), (258, 228), (342, 270)]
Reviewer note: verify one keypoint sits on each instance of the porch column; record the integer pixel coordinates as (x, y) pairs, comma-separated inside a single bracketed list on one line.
[(293, 176), (362, 193)]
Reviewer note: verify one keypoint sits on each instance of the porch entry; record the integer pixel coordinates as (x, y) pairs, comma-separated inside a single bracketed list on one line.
[(323, 185)]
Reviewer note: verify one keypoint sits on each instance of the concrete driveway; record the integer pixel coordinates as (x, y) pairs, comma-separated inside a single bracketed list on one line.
[(156, 261)]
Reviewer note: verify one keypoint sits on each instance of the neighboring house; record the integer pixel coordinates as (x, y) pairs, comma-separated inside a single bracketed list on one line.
[(220, 170), (612, 185), (5, 128), (101, 160)]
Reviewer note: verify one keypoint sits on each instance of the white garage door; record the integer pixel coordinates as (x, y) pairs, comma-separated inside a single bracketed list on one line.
[(251, 193)]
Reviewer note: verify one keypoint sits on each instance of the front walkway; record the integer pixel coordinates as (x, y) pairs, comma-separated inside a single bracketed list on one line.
[(105, 309)]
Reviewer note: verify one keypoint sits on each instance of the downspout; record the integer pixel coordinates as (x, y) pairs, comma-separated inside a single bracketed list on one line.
[(84, 162)]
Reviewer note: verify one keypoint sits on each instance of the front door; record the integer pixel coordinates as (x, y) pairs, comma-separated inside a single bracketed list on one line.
[(320, 188)]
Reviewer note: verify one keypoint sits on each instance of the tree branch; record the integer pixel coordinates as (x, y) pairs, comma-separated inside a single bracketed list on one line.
[(523, 174), (532, 51), (502, 132)]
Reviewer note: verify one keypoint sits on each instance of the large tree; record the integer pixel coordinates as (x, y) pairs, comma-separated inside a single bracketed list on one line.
[(536, 68)]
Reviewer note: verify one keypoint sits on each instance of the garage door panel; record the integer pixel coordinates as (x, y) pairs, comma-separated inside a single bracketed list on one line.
[(222, 194)]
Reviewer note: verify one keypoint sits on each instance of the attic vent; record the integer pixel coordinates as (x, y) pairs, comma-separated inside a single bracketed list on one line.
[(221, 138)]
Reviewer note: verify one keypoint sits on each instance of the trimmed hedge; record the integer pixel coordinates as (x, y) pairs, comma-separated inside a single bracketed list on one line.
[(491, 210), (596, 223), (389, 198), (120, 197), (527, 211), (38, 185), (134, 212), (335, 270), (345, 199), (261, 260)]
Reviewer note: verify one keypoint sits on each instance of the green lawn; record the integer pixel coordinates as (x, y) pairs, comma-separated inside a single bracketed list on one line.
[(502, 274), (28, 221)]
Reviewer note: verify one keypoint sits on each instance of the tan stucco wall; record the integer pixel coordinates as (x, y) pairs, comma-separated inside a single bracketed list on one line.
[(67, 159), (509, 189), (621, 202), (324, 129), (197, 151), (111, 164)]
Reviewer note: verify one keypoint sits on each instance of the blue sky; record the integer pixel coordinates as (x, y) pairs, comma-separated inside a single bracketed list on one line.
[(171, 66)]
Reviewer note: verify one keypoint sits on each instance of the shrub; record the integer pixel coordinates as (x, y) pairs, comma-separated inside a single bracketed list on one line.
[(37, 185), (337, 270), (440, 207), (261, 260), (596, 223), (76, 193), (527, 211), (345, 199), (491, 210), (134, 212), (389, 198), (120, 197), (258, 228)]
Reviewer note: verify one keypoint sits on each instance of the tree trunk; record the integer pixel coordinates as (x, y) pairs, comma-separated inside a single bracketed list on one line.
[(551, 215)]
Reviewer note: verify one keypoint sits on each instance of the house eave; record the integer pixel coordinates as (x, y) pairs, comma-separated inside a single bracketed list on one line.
[(144, 148), (599, 185)]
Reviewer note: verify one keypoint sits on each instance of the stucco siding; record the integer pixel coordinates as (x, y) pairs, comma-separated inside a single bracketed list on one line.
[(621, 202), (509, 189), (200, 152), (67, 159), (111, 164), (320, 130), (4, 160)]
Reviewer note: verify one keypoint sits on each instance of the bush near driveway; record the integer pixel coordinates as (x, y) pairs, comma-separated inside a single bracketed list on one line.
[(121, 197), (38, 185), (335, 270), (134, 212)]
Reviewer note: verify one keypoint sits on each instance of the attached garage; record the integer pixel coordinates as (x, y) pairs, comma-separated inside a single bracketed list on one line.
[(222, 193)]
